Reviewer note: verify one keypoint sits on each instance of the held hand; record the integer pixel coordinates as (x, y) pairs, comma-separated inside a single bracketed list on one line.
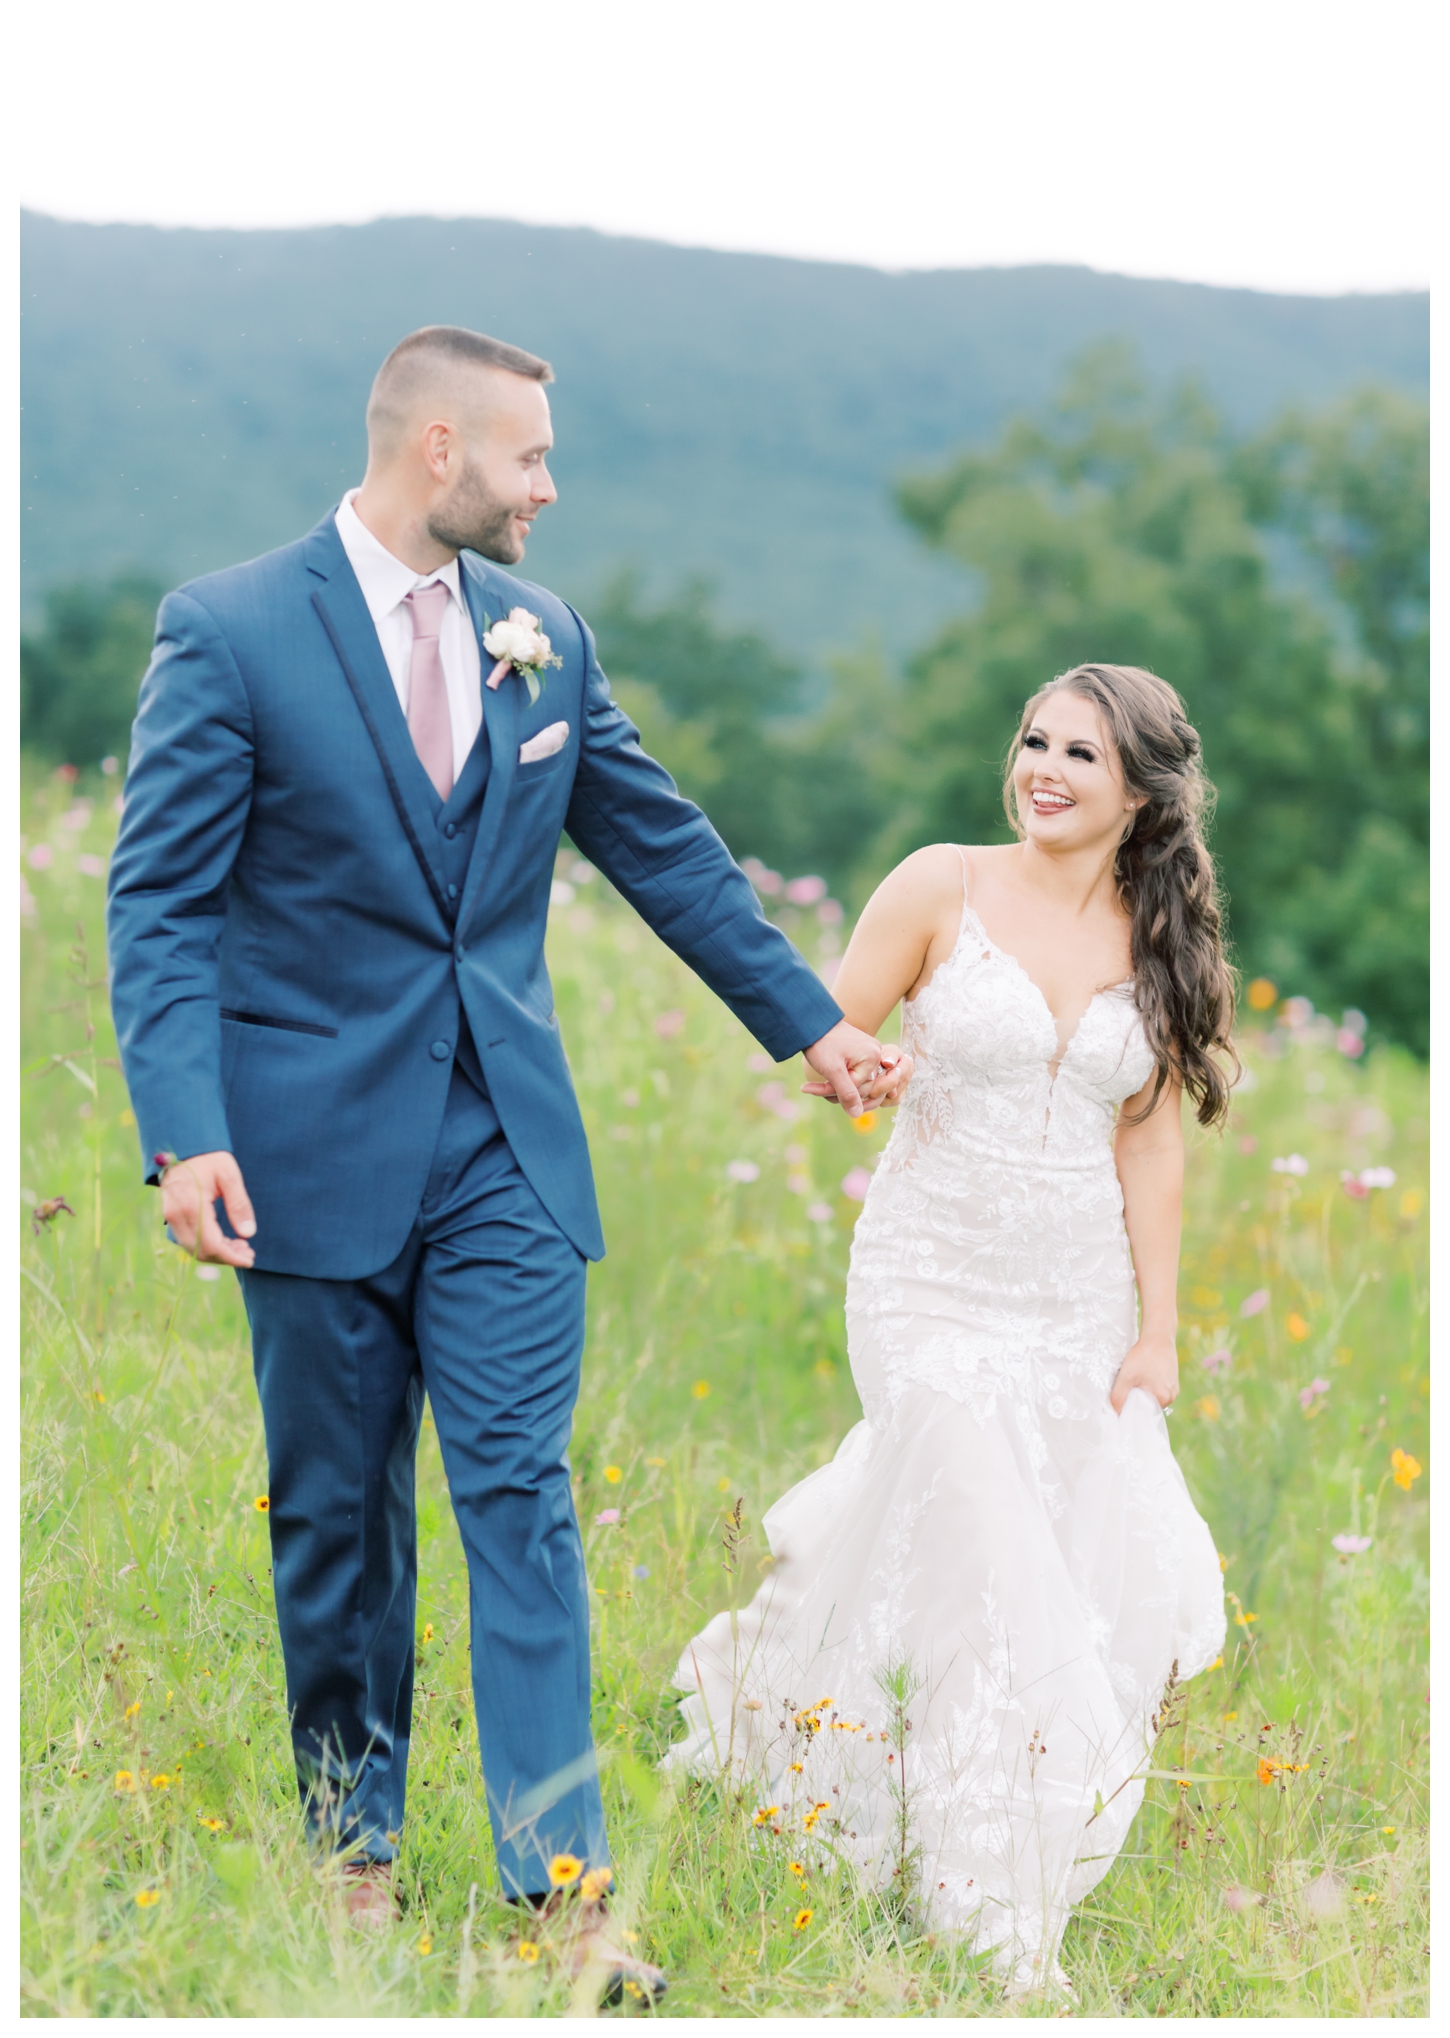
[(857, 1072), (190, 1188), (1152, 1364)]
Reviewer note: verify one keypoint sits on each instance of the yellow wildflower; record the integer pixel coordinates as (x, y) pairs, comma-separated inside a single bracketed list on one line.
[(133, 1708), (1410, 1203), (212, 1825), (161, 1783), (146, 1897), (596, 1884), (427, 1631), (796, 1768), (1405, 1468), (425, 1945), (766, 1813), (564, 1869), (1268, 1768), (1262, 994), (802, 1919), (658, 1463), (1296, 1326), (701, 1390), (528, 1952), (796, 1868), (262, 1503), (865, 1123), (124, 1780), (1208, 1408), (613, 1474)]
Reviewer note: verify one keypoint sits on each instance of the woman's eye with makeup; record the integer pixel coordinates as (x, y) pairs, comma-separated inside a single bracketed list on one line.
[(1034, 743), (1081, 752)]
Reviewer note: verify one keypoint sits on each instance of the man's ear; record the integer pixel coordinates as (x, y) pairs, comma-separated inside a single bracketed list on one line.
[(440, 445)]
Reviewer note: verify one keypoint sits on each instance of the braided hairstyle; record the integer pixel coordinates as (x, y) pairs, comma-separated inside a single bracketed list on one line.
[(1182, 981)]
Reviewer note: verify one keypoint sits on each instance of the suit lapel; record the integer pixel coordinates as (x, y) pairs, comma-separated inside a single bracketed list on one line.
[(339, 603), (501, 719)]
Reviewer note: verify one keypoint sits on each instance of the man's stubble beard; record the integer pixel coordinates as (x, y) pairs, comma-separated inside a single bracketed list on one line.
[(473, 519)]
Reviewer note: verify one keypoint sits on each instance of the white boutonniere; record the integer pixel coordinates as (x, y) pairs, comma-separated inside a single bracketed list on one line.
[(519, 642)]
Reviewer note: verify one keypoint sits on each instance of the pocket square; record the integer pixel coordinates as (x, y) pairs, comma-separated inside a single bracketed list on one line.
[(545, 743)]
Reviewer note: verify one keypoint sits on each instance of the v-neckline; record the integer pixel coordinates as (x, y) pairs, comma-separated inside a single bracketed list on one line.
[(1064, 1047)]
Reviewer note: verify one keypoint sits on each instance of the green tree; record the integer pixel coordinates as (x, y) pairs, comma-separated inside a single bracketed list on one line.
[(80, 673), (1352, 487), (723, 712), (1126, 526)]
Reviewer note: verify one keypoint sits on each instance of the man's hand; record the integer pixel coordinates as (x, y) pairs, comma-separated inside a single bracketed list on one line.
[(1152, 1364), (189, 1189), (855, 1070)]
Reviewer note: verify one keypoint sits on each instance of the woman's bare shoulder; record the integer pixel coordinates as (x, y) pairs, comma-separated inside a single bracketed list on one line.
[(921, 888), (928, 873)]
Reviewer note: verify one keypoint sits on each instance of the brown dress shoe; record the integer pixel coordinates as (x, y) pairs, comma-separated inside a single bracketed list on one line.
[(593, 1950), (368, 1897)]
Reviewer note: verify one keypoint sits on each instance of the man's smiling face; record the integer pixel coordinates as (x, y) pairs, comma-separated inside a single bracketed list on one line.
[(503, 478)]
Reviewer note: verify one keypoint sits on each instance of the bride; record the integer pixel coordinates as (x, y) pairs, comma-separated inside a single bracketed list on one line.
[(949, 1676)]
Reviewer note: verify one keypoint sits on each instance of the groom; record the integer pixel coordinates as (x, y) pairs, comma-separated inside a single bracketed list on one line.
[(326, 926)]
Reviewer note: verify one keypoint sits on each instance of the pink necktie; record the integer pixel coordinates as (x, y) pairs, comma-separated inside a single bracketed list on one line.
[(429, 723)]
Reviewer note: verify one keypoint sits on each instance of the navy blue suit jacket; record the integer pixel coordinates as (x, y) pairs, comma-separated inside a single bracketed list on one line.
[(274, 861)]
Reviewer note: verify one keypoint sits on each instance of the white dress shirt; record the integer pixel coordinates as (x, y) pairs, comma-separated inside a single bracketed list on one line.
[(386, 583)]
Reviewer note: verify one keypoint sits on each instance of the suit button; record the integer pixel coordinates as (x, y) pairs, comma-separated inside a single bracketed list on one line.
[(453, 891), (440, 1050), (450, 831)]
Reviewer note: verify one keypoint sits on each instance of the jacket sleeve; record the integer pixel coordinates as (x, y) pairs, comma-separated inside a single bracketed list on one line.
[(659, 850), (188, 795)]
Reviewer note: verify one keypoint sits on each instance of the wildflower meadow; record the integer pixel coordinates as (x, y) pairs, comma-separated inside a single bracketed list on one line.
[(1279, 1865)]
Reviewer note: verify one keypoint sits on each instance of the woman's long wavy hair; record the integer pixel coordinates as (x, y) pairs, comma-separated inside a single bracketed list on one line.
[(1166, 880)]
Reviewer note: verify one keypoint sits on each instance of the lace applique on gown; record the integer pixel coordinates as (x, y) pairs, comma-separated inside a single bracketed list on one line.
[(1033, 1558)]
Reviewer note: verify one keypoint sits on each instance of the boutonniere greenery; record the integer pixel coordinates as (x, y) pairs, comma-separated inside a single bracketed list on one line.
[(518, 641)]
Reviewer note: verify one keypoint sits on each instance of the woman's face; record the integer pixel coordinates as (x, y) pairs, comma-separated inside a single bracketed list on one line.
[(1068, 782)]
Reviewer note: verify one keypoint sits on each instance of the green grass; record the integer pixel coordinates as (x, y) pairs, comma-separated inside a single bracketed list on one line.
[(715, 1370)]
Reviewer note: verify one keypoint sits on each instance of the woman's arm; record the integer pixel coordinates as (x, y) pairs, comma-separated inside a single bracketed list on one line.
[(909, 925), (1149, 1157)]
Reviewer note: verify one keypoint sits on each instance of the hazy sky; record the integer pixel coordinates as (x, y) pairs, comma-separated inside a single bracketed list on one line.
[(1281, 144)]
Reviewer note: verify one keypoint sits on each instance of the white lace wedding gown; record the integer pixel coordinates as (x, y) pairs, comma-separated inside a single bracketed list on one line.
[(992, 1527)]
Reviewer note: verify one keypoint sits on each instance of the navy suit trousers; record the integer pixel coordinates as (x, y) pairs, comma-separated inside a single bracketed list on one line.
[(483, 1310)]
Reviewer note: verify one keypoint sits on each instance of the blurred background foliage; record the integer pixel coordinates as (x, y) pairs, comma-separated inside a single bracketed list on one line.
[(1278, 578)]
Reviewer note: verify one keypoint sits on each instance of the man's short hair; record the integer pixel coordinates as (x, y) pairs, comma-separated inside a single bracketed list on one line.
[(428, 356)]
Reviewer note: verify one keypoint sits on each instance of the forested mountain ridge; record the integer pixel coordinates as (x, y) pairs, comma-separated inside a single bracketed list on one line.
[(195, 397)]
